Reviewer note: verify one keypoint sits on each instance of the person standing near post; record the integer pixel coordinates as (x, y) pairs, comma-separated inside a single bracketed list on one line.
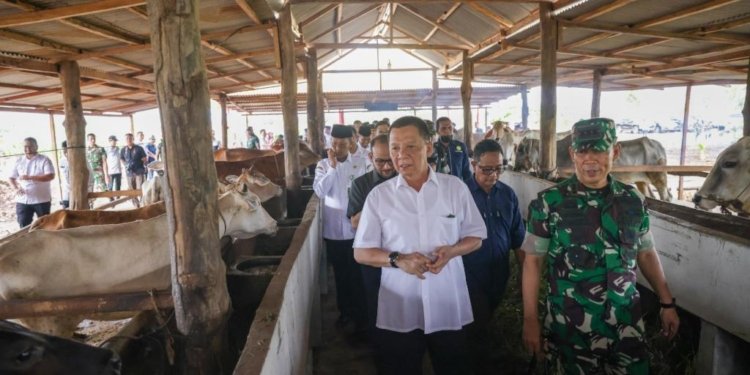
[(333, 177), (252, 142), (383, 171), (133, 157), (97, 161), (65, 171), (416, 227), (30, 177), (488, 269), (593, 231), (451, 156), (113, 165)]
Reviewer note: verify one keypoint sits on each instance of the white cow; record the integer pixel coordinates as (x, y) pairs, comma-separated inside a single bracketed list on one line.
[(728, 184), (114, 258)]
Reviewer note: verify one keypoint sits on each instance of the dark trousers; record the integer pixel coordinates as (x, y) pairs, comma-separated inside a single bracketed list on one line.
[(477, 332), (115, 181), (371, 278), (350, 297), (401, 353), (25, 212)]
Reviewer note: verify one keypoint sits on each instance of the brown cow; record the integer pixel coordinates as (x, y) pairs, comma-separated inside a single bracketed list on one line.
[(270, 165), (63, 219)]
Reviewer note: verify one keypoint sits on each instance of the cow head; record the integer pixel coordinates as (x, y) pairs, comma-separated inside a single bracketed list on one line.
[(728, 184), (527, 155), (258, 183), (242, 216), (306, 156), (28, 353)]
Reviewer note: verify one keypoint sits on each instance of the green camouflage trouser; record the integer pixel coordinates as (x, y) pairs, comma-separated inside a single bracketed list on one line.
[(98, 182), (604, 349)]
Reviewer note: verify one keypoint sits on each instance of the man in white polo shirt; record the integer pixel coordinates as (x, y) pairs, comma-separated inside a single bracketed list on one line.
[(416, 227), (30, 178), (333, 177)]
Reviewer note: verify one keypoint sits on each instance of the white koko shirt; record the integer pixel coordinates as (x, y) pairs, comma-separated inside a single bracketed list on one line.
[(332, 186), (398, 218), (34, 191)]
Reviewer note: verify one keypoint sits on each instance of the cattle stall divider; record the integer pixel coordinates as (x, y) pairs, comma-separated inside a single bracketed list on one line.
[(288, 321), (705, 257)]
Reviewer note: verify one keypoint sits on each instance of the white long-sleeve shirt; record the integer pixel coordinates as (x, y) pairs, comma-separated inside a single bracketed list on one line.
[(34, 192), (331, 185)]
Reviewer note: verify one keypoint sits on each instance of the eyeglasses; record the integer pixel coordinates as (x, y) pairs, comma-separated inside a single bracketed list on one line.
[(487, 171), (382, 162)]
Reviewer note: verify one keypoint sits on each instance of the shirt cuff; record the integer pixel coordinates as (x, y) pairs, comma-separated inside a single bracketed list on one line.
[(535, 245)]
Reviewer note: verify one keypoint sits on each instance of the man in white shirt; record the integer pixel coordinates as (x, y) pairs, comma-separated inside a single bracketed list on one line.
[(333, 177), (416, 227), (65, 171), (31, 178), (113, 165)]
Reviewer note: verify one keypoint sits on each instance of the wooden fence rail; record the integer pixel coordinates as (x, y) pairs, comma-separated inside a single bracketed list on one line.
[(137, 301)]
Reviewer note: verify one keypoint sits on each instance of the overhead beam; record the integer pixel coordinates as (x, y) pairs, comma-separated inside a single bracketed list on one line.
[(317, 15), (417, 1), (443, 17), (343, 23), (481, 9), (442, 28), (386, 46), (93, 7), (721, 38)]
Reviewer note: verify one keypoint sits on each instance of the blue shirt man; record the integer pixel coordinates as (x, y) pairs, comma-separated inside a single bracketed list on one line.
[(487, 269), (451, 156)]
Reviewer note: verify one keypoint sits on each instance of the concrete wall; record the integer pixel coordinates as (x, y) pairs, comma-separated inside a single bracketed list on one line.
[(706, 269), (279, 338)]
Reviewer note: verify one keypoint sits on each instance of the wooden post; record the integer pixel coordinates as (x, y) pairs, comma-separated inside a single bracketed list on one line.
[(132, 125), (597, 93), (199, 285), (53, 134), (320, 112), (548, 110), (289, 99), (468, 73), (486, 119), (685, 124), (75, 133), (524, 107), (313, 128), (746, 108), (224, 125), (434, 94)]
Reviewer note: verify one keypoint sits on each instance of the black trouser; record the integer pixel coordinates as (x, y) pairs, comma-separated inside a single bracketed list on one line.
[(401, 353), (25, 212), (477, 332), (350, 297), (371, 278), (115, 181)]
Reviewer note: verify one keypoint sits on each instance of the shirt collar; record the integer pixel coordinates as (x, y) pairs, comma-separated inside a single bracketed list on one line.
[(474, 185), (579, 187), (431, 177)]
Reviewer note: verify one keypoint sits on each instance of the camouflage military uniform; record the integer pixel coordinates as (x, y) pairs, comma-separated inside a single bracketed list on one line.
[(95, 157), (591, 238)]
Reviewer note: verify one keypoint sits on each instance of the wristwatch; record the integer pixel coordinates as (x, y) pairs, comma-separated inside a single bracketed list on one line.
[(393, 258), (668, 305)]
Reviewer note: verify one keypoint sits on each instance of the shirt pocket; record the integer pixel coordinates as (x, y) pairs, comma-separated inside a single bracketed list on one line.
[(445, 230)]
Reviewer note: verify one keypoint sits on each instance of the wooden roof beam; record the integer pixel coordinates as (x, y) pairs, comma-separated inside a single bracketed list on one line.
[(343, 22), (456, 36), (418, 1), (384, 46), (443, 17), (53, 14), (506, 23), (227, 52), (723, 38), (317, 15)]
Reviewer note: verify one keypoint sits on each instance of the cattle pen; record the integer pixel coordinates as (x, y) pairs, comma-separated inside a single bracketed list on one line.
[(82, 58)]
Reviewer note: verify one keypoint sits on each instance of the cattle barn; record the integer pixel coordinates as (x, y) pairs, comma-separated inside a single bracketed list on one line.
[(83, 58)]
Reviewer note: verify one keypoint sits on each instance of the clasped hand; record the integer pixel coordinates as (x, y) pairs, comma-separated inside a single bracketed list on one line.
[(418, 264)]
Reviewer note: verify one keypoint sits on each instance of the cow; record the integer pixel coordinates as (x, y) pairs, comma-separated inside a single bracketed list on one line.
[(153, 190), (728, 183), (23, 352), (106, 259), (63, 219), (641, 151), (272, 166)]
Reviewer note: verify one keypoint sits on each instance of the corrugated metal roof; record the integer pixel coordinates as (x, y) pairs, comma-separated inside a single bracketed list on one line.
[(656, 43)]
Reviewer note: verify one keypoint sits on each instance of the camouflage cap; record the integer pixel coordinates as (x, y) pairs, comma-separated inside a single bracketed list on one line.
[(598, 134)]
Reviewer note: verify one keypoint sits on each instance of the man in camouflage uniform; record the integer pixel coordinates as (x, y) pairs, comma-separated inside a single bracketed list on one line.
[(97, 160), (593, 231)]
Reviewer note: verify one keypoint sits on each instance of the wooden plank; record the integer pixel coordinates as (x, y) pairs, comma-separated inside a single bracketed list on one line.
[(114, 193), (417, 1), (504, 22), (80, 305), (113, 203), (198, 273), (548, 111), (671, 169), (75, 131), (343, 22), (386, 46), (317, 15), (289, 99), (98, 6), (683, 147), (443, 17), (313, 130), (224, 124), (466, 42), (746, 107)]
